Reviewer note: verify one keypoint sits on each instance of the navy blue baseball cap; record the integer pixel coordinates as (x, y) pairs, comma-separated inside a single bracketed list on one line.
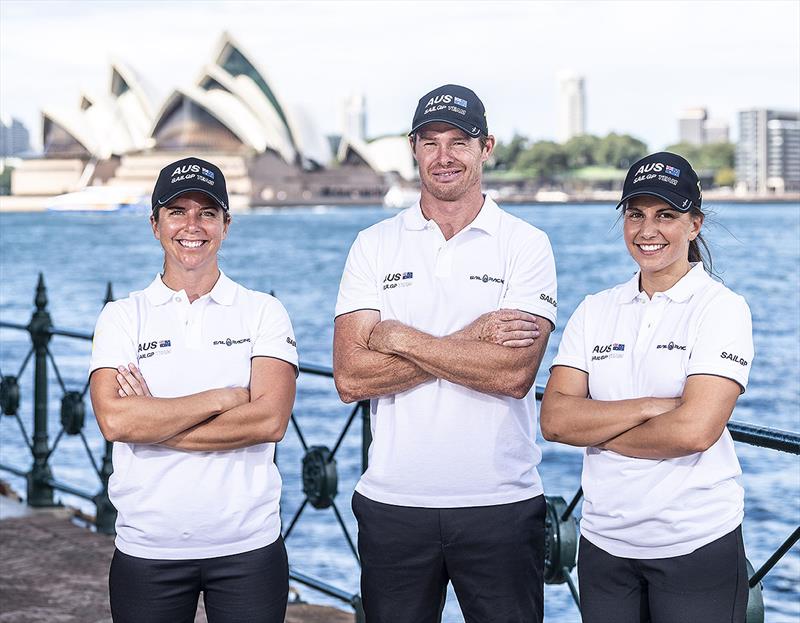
[(453, 104), (187, 175), (667, 176)]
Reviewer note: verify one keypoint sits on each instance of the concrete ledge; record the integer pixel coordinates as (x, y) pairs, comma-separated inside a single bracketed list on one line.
[(54, 570)]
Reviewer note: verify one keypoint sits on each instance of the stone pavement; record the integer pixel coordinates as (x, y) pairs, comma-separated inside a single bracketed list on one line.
[(56, 572)]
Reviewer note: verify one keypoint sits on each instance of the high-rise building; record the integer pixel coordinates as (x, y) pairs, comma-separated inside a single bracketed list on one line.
[(716, 131), (571, 106), (691, 126), (354, 117), (14, 137), (768, 152)]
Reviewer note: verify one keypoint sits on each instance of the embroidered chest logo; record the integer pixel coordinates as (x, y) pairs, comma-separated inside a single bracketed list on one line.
[(486, 278), (231, 342), (154, 347), (398, 280), (671, 346), (608, 351)]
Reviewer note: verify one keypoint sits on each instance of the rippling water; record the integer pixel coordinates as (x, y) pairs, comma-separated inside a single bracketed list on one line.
[(300, 254)]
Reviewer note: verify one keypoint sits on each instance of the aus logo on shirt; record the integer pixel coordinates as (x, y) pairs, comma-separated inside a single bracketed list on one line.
[(602, 352), (153, 347), (398, 280)]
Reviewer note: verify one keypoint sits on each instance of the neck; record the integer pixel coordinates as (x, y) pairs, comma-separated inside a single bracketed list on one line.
[(451, 216), (194, 283), (663, 280)]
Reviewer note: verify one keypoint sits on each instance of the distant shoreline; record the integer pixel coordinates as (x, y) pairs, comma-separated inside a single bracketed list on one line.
[(20, 204)]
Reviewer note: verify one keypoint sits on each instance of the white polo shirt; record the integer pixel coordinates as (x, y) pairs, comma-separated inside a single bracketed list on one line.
[(175, 504), (440, 444), (634, 347)]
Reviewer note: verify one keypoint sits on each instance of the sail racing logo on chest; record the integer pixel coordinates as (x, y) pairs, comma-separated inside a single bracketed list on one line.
[(231, 341), (398, 280), (154, 347)]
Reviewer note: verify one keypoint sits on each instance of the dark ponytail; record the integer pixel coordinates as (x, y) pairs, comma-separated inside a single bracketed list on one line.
[(698, 248)]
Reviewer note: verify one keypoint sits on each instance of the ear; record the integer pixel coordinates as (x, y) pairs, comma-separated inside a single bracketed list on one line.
[(226, 221), (154, 225), (488, 149), (696, 226), (411, 143)]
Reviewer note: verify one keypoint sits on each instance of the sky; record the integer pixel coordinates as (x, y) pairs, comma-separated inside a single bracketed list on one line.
[(643, 61)]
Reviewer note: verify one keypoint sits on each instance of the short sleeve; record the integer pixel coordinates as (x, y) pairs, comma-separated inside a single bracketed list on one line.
[(115, 337), (274, 335), (572, 349), (532, 282), (724, 343), (359, 286)]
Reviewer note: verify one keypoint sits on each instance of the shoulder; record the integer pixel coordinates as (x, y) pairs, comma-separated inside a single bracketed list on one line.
[(124, 309), (519, 230), (387, 226), (719, 300), (256, 300)]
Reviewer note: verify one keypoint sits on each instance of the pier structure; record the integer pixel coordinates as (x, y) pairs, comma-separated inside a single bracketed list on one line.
[(26, 535)]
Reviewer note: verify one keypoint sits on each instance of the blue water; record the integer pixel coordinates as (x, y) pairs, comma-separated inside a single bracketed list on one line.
[(300, 254)]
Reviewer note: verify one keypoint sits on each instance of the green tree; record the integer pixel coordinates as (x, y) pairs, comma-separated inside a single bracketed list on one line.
[(581, 151), (505, 154), (544, 160), (712, 157), (619, 150)]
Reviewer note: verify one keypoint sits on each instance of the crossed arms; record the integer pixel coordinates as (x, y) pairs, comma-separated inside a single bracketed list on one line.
[(217, 419), (498, 353), (650, 428)]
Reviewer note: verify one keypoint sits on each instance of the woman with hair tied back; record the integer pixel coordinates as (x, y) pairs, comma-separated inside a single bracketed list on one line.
[(646, 377), (193, 379)]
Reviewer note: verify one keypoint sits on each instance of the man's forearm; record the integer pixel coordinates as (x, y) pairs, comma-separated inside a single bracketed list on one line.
[(482, 366), (370, 374)]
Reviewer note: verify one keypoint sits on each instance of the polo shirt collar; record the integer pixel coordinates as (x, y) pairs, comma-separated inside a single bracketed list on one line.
[(681, 292), (487, 219), (223, 292)]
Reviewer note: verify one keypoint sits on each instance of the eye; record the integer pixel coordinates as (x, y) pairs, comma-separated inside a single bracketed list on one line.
[(460, 143), (175, 212), (210, 213), (666, 215), (630, 214)]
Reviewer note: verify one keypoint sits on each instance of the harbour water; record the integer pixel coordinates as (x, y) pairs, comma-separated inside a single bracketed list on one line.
[(299, 254)]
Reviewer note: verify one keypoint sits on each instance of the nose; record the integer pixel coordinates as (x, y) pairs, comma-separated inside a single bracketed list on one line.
[(649, 228), (443, 156), (192, 220)]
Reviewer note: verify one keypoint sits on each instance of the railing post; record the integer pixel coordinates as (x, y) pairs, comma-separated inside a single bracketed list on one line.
[(105, 513), (366, 435), (40, 493)]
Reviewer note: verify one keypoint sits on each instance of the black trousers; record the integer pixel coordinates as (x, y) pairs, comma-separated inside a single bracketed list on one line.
[(251, 587), (493, 555), (707, 586)]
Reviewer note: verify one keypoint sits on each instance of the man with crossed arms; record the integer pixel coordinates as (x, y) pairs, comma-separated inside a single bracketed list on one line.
[(442, 319)]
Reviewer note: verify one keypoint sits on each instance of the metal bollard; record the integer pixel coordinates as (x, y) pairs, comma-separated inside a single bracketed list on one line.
[(40, 493)]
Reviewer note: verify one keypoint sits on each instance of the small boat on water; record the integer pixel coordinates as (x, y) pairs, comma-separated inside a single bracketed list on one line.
[(399, 197), (100, 199)]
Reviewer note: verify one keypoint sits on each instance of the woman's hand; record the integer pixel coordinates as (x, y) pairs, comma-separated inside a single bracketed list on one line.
[(131, 382)]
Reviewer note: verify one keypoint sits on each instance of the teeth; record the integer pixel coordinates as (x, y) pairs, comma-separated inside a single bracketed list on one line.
[(191, 244), (651, 247)]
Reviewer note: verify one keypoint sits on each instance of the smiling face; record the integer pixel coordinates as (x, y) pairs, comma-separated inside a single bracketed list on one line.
[(191, 230), (450, 161), (657, 237)]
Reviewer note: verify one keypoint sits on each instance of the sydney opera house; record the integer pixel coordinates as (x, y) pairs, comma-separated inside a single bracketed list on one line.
[(271, 153)]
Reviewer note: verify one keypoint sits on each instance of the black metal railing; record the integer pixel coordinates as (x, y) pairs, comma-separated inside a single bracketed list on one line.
[(319, 466)]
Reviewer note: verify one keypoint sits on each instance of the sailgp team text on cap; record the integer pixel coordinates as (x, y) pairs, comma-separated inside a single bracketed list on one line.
[(187, 175), (453, 104), (667, 176)]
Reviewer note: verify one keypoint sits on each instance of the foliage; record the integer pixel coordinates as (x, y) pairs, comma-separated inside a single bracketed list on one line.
[(711, 157)]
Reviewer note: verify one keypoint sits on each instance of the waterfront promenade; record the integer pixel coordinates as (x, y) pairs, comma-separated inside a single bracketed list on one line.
[(55, 570)]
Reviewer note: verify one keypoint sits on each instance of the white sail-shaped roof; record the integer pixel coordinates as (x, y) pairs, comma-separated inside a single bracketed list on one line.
[(313, 145), (384, 155), (242, 86), (65, 128), (224, 107)]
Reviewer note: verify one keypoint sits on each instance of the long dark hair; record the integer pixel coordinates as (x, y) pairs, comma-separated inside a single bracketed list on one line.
[(698, 248)]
